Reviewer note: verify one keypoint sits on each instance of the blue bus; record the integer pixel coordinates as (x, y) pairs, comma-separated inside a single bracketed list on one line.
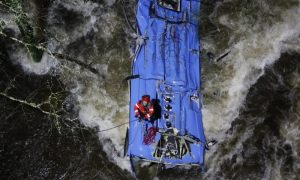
[(165, 119)]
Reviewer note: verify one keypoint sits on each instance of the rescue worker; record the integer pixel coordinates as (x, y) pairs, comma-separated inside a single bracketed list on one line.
[(143, 109)]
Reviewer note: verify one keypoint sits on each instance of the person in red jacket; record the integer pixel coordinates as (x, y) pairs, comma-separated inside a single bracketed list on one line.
[(143, 109)]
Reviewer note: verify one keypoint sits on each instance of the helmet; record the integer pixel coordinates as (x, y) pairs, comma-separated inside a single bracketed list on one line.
[(146, 98)]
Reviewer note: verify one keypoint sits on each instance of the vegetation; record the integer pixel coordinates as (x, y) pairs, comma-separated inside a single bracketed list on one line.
[(25, 28)]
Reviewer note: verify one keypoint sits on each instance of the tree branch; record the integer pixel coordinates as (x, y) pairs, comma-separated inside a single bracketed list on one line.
[(32, 105), (53, 54)]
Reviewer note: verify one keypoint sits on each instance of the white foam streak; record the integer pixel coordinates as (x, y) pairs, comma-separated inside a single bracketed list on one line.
[(47, 62), (246, 63), (82, 8), (97, 109), (241, 69)]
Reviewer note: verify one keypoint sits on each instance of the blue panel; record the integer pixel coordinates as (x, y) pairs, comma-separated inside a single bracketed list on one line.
[(168, 63)]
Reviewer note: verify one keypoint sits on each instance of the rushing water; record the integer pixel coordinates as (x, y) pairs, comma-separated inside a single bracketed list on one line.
[(251, 96)]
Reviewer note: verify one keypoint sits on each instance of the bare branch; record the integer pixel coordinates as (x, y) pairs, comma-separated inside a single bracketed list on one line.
[(53, 54), (33, 105)]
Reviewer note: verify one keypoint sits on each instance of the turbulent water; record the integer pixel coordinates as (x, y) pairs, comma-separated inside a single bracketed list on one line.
[(251, 96)]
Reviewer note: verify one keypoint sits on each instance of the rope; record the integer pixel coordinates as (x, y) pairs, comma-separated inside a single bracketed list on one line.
[(150, 136), (116, 126)]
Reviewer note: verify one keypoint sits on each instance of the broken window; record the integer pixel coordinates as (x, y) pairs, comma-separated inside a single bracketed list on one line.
[(174, 5)]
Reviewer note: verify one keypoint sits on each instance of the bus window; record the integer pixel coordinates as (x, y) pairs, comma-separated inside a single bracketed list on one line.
[(170, 4)]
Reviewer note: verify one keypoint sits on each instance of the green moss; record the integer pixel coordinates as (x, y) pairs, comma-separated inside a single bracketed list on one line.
[(26, 30), (2, 25)]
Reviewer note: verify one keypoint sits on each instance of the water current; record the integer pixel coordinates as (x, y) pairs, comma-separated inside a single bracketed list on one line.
[(251, 96)]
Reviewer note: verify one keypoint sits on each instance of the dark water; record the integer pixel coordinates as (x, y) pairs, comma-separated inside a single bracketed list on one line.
[(257, 127), (268, 126), (35, 145)]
